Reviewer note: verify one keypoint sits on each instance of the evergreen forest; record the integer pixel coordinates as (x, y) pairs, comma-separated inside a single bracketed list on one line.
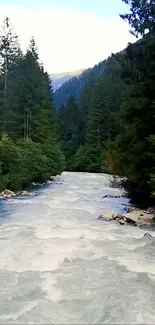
[(102, 121), (29, 148), (110, 127)]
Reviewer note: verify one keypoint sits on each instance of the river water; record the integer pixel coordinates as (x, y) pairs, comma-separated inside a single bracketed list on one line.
[(60, 265)]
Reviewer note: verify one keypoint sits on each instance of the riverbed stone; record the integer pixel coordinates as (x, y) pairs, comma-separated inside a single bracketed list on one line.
[(53, 178), (112, 215), (132, 209), (101, 217), (139, 217), (7, 194), (122, 222), (148, 235), (26, 193), (49, 182), (111, 196), (153, 221), (151, 210)]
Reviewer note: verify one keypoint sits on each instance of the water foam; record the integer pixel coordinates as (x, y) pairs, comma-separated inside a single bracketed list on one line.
[(81, 270)]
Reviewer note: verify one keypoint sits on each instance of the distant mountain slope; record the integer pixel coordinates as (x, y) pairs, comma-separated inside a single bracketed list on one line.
[(74, 85), (59, 78)]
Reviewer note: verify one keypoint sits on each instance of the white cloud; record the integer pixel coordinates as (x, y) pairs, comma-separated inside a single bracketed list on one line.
[(68, 39)]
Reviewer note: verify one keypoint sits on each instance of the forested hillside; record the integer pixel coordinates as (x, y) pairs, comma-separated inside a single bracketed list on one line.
[(74, 86), (29, 150), (111, 127), (59, 79), (106, 116)]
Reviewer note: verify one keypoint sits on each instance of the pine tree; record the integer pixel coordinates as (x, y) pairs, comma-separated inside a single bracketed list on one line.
[(103, 116), (95, 127), (137, 119), (84, 106), (141, 16), (29, 149), (69, 129), (97, 122), (10, 53), (31, 99), (134, 147)]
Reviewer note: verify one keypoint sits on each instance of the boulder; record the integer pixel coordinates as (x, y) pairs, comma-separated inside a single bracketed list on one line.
[(7, 194), (151, 210), (55, 178), (26, 193), (136, 217), (36, 184), (111, 196), (116, 182), (131, 209), (122, 222), (100, 217), (112, 215), (153, 221), (147, 235), (32, 194), (52, 178), (144, 225), (139, 218), (49, 182)]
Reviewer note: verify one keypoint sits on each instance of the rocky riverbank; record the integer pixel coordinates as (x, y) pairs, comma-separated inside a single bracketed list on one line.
[(8, 194), (133, 216)]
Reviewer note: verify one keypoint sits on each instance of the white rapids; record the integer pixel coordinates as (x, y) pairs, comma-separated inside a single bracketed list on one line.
[(59, 264)]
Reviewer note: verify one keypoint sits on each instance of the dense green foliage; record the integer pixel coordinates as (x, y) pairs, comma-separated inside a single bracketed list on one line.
[(141, 16), (86, 128), (137, 119), (69, 116), (106, 116), (116, 113), (29, 148), (74, 86)]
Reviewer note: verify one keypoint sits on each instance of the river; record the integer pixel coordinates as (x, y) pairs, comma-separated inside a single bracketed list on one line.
[(60, 265)]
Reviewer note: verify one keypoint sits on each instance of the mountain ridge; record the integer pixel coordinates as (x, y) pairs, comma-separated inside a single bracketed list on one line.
[(58, 79), (74, 85)]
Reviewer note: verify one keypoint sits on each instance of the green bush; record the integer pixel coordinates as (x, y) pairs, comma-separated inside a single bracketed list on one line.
[(25, 162)]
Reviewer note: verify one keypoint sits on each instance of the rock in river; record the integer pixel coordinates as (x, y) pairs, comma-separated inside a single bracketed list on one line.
[(139, 217), (147, 235), (26, 193), (7, 194), (111, 215), (136, 217)]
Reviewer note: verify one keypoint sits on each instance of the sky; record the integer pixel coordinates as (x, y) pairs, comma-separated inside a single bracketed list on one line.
[(70, 34)]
